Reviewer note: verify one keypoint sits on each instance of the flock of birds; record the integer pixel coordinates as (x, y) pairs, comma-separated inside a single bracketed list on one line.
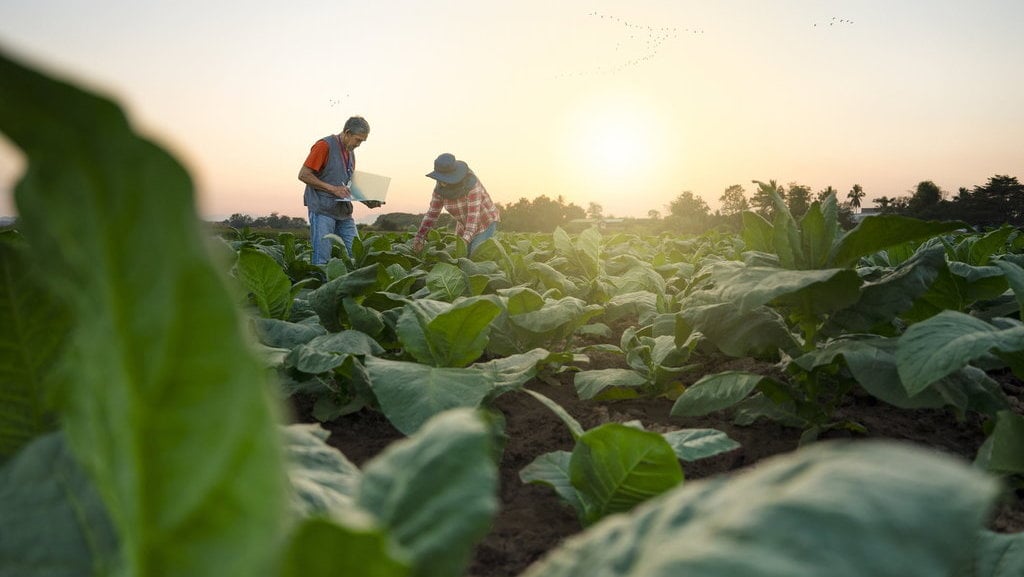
[(835, 21), (647, 41), (649, 38)]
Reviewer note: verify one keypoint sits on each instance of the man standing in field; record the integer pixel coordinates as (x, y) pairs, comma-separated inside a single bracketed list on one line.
[(327, 173)]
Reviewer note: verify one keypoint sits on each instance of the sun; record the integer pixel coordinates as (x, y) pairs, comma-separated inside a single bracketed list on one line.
[(613, 137)]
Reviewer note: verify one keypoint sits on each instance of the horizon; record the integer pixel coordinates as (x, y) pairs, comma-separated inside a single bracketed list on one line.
[(590, 101)]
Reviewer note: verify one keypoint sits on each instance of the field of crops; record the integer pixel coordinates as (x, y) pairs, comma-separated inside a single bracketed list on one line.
[(556, 405)]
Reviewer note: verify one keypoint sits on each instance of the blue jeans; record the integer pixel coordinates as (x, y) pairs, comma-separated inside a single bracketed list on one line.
[(320, 226), (482, 236)]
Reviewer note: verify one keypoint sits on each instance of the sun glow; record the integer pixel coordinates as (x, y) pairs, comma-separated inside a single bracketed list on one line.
[(612, 137)]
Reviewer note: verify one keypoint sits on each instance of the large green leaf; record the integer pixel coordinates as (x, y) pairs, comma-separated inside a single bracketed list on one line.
[(266, 282), (1003, 451), (512, 372), (1015, 277), (982, 248), (615, 467), (736, 333), (53, 521), (325, 548), (757, 232), (715, 392), (816, 237), (584, 255), (286, 335), (934, 348), (411, 393), (324, 482), (696, 444), (552, 469), (435, 492), (447, 335), (873, 363), (327, 352), (589, 384), (884, 299), (446, 282), (845, 510), (167, 409), (753, 286), (997, 555), (35, 327), (786, 234), (328, 299), (882, 231)]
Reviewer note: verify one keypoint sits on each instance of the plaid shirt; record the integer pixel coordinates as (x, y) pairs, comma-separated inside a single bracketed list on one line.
[(473, 213)]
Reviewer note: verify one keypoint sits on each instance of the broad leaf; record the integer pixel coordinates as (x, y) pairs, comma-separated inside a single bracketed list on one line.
[(934, 348), (997, 555), (615, 467), (35, 327), (882, 231), (54, 523), (447, 335), (757, 232), (590, 384), (435, 492), (284, 334), (268, 285), (695, 444), (168, 410), (859, 509), (552, 469), (411, 393), (758, 331), (816, 237), (446, 282), (328, 299), (324, 482), (1015, 277), (325, 548), (753, 286), (1004, 449), (883, 300), (715, 392), (327, 352)]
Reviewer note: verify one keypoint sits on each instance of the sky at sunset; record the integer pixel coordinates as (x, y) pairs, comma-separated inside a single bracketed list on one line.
[(626, 104)]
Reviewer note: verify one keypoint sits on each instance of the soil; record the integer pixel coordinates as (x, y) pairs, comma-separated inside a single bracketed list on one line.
[(532, 520)]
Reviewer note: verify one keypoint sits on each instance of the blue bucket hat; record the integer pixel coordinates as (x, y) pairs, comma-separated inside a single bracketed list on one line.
[(449, 170)]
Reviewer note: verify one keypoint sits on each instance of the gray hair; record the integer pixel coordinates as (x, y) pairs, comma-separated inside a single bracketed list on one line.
[(357, 125)]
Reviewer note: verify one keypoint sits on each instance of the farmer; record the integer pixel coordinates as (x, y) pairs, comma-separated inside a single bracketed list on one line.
[(462, 194), (327, 173)]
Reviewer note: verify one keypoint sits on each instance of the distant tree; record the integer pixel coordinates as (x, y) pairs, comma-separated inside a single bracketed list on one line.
[(239, 220), (542, 214), (653, 214), (798, 199), (855, 195), (761, 200), (1000, 200), (397, 221), (823, 193), (688, 213), (595, 211), (883, 202), (925, 196), (734, 201)]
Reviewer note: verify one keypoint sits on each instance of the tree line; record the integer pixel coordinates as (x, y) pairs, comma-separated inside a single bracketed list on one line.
[(1000, 200)]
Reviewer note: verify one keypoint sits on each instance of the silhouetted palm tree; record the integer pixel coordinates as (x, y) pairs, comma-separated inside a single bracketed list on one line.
[(856, 193)]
